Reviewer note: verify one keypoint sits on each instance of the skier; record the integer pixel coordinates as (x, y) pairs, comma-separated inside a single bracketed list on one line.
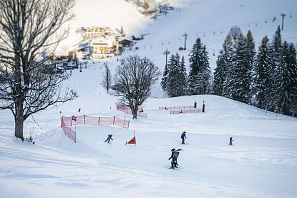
[(173, 157), (183, 136), (109, 137), (230, 141)]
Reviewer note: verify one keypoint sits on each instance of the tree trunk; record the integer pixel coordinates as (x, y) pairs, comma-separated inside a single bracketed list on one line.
[(134, 112), (19, 120)]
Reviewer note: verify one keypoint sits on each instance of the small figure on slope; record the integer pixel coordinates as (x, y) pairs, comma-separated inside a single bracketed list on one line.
[(183, 137), (173, 157), (109, 137), (230, 141)]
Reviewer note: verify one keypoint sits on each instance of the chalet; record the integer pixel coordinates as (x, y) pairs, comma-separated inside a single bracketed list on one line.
[(102, 47)]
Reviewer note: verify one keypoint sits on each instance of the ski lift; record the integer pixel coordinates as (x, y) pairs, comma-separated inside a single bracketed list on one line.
[(274, 19)]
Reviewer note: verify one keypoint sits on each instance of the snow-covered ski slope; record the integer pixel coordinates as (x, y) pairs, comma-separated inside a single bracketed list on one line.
[(262, 162)]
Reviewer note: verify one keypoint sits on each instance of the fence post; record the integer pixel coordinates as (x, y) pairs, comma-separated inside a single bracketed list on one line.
[(62, 122), (113, 120), (84, 119), (75, 137), (99, 120)]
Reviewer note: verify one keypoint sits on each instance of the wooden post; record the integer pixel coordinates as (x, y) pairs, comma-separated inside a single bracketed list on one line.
[(61, 121)]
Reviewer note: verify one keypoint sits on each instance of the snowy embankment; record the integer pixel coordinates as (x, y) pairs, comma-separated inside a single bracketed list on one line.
[(262, 162)]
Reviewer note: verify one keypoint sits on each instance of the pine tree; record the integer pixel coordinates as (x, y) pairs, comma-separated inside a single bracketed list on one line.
[(241, 72), (275, 71), (292, 68), (228, 61), (219, 74), (183, 77), (288, 79), (251, 53), (164, 79), (176, 77), (261, 76), (199, 75)]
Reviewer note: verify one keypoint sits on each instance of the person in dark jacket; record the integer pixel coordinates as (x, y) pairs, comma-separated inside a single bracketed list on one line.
[(230, 141), (173, 157), (109, 137), (183, 137)]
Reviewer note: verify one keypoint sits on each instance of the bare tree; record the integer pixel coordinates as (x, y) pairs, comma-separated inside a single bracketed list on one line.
[(29, 29), (106, 83), (134, 79)]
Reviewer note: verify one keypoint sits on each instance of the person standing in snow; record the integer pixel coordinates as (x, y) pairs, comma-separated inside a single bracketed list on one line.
[(183, 137), (173, 157), (109, 137), (230, 141)]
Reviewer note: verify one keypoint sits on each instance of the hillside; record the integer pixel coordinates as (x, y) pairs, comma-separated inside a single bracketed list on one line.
[(261, 163), (211, 21)]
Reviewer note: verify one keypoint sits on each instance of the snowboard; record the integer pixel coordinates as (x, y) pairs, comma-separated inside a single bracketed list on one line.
[(174, 168)]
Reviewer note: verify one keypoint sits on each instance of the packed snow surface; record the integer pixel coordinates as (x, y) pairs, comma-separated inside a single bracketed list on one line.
[(261, 163)]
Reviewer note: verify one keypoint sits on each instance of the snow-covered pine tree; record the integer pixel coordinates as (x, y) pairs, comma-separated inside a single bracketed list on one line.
[(176, 77), (219, 74), (261, 77), (275, 71), (251, 53), (183, 76), (229, 60), (288, 78), (199, 75), (292, 68), (164, 79), (241, 72)]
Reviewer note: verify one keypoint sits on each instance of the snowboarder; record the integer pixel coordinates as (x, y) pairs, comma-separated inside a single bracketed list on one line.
[(109, 137), (173, 157), (230, 141), (183, 137)]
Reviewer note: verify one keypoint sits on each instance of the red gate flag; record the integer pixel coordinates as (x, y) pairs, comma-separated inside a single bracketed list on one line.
[(132, 141)]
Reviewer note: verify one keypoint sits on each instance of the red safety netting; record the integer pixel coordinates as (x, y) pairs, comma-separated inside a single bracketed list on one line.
[(186, 111), (126, 109), (89, 120), (176, 107), (67, 131)]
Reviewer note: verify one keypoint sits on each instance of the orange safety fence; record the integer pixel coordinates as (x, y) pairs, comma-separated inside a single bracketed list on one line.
[(176, 107), (186, 111), (126, 109), (67, 131), (90, 120)]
